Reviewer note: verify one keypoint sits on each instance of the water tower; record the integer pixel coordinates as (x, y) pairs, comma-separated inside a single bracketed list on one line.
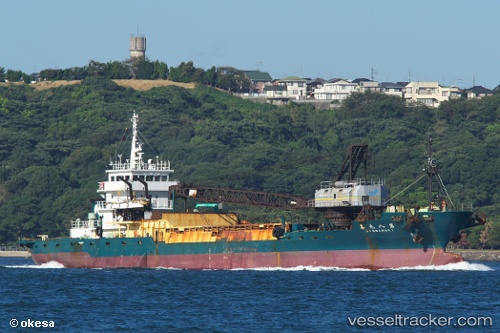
[(138, 46)]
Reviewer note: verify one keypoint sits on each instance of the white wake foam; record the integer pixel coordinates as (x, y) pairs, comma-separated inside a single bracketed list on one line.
[(50, 264), (459, 266), (292, 269), (302, 268)]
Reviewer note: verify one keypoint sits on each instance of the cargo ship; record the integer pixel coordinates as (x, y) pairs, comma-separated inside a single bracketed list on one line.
[(142, 219)]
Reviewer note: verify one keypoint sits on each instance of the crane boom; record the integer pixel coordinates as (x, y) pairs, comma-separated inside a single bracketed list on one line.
[(235, 196), (356, 155)]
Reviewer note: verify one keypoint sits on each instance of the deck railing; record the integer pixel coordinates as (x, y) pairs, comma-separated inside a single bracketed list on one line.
[(12, 248)]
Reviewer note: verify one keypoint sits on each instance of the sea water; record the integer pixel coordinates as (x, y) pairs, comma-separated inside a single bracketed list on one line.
[(303, 299)]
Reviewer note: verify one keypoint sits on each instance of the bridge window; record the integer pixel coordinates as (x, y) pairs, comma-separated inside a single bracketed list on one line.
[(157, 178), (149, 178)]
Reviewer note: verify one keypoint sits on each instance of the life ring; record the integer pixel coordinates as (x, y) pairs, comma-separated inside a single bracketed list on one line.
[(136, 234)]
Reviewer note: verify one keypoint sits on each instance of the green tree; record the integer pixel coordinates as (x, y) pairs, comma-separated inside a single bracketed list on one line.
[(183, 73), (14, 76), (3, 105), (231, 79), (96, 69), (51, 74), (160, 70), (145, 70), (490, 235), (210, 77), (118, 70), (473, 236)]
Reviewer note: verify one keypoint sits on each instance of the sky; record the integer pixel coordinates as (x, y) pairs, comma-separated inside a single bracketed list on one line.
[(453, 42)]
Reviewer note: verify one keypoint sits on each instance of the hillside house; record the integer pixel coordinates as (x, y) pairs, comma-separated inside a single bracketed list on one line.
[(312, 85), (365, 85), (295, 87), (429, 93), (286, 89), (276, 94), (478, 92), (258, 80), (335, 89), (393, 89)]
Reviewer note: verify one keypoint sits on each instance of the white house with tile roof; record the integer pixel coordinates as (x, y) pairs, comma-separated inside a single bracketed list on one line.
[(295, 87), (335, 89), (390, 88), (478, 92), (365, 85)]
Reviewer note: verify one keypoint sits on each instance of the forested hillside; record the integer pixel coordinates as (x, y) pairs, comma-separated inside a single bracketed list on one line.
[(55, 145)]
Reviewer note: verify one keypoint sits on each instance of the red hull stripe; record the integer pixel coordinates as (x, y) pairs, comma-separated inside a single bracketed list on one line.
[(371, 259)]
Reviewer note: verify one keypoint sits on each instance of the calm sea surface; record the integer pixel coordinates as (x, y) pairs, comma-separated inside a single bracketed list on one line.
[(298, 300)]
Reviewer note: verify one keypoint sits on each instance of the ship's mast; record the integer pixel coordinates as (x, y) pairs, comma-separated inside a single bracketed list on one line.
[(136, 150), (432, 171)]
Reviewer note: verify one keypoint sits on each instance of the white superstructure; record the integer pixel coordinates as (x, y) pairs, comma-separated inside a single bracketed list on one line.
[(354, 193), (132, 190)]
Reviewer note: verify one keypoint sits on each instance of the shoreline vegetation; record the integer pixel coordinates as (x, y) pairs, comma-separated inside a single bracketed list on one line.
[(477, 255)]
